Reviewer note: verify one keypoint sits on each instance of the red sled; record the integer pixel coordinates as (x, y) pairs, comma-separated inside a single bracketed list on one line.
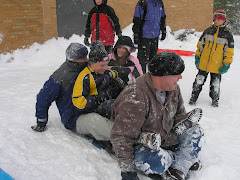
[(179, 52)]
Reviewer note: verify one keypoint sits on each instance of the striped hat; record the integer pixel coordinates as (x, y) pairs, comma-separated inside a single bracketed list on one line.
[(220, 14)]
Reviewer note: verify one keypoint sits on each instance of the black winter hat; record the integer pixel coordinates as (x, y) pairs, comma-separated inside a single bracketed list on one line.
[(125, 41), (97, 53), (166, 63), (76, 51)]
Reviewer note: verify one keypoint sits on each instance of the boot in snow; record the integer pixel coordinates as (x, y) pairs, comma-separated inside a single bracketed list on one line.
[(196, 166), (187, 121)]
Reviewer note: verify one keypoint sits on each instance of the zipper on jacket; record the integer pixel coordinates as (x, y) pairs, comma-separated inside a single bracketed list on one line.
[(97, 27)]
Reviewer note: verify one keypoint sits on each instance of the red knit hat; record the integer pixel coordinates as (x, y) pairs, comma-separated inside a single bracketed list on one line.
[(220, 14)]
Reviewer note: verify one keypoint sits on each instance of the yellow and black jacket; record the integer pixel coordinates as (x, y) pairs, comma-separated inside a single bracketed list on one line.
[(88, 85), (215, 47)]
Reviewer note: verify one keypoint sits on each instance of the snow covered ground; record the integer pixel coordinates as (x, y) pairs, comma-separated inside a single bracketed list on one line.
[(60, 154)]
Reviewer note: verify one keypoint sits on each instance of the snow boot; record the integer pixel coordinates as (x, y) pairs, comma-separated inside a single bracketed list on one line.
[(150, 140), (164, 176), (176, 174), (106, 145), (192, 101), (196, 166), (183, 123), (214, 103)]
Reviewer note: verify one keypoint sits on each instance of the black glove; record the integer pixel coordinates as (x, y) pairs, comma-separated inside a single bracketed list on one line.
[(118, 82), (163, 35), (136, 39), (109, 93), (40, 127), (129, 176), (86, 42)]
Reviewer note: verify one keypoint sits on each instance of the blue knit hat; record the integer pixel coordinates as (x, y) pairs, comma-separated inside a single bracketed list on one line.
[(76, 51)]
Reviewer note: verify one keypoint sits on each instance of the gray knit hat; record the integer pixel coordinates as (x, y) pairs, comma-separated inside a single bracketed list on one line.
[(166, 63), (76, 51), (97, 53)]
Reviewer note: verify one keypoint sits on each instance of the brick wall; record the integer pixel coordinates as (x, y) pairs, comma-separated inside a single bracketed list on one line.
[(24, 22), (181, 14)]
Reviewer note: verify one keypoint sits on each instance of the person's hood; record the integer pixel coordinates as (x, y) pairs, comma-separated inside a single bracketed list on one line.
[(125, 41), (104, 2)]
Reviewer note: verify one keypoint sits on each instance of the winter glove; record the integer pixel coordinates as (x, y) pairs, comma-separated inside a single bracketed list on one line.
[(163, 35), (197, 59), (118, 82), (109, 93), (224, 68), (136, 39), (40, 127), (86, 42), (129, 176)]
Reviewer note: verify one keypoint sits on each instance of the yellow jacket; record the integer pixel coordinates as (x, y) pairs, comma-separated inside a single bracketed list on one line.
[(215, 47)]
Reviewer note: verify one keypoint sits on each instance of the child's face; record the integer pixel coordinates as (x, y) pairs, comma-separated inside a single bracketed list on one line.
[(218, 22), (121, 51), (100, 67), (99, 2)]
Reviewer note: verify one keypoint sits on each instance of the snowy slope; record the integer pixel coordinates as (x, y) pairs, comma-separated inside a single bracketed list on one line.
[(60, 154)]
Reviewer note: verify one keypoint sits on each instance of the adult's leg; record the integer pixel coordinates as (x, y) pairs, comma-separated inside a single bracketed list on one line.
[(153, 48), (152, 161), (94, 124), (214, 92), (197, 85), (189, 148), (144, 52)]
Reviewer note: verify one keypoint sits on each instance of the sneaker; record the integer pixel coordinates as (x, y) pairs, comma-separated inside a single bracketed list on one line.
[(196, 166), (183, 123), (214, 103), (150, 140)]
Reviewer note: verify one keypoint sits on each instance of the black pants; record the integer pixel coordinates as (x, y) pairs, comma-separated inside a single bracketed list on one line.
[(147, 49), (200, 79)]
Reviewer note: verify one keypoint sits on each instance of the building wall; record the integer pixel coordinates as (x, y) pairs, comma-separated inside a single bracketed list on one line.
[(23, 22), (181, 14)]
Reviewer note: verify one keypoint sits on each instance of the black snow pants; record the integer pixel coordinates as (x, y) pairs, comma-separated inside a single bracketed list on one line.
[(147, 49), (200, 79)]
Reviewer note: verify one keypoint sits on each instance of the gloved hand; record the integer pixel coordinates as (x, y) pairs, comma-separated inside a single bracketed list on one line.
[(136, 39), (224, 68), (129, 176), (163, 35), (86, 42), (109, 93), (197, 60), (40, 127), (118, 82)]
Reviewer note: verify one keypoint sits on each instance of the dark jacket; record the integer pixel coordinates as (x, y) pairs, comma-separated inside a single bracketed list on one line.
[(215, 47), (132, 68), (138, 109), (149, 18), (59, 89), (102, 23)]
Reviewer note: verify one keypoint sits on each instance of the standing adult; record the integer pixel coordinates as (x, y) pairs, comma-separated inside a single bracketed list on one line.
[(148, 23)]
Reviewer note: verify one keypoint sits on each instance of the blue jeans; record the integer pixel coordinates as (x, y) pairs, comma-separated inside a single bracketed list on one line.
[(158, 161)]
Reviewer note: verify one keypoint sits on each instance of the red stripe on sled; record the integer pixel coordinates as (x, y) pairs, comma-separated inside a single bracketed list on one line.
[(179, 52)]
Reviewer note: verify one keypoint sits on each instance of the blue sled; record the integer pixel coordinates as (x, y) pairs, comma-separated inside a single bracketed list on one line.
[(4, 175)]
